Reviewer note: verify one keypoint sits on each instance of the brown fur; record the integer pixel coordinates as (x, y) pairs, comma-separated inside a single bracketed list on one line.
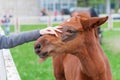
[(77, 56)]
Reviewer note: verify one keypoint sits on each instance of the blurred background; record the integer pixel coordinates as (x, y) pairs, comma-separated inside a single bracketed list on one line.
[(24, 15), (37, 11)]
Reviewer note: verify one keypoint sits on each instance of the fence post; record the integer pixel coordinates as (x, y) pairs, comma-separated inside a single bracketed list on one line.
[(108, 10), (17, 25)]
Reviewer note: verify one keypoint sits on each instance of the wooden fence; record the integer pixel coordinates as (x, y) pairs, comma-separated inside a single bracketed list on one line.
[(8, 70)]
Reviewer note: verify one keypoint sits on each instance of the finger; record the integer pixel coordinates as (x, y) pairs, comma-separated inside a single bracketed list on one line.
[(54, 33), (51, 30), (58, 30)]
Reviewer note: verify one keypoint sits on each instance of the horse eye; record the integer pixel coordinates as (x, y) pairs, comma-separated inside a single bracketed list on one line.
[(70, 31)]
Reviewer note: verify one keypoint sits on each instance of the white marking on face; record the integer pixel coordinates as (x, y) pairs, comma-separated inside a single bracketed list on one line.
[(68, 20)]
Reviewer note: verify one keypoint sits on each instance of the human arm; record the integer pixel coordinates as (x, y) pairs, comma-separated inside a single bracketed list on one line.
[(18, 39), (23, 37)]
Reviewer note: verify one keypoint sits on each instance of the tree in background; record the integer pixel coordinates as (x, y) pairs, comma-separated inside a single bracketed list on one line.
[(101, 4), (98, 5), (83, 3)]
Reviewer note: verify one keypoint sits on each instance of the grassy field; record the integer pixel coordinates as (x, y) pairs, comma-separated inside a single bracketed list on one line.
[(30, 69)]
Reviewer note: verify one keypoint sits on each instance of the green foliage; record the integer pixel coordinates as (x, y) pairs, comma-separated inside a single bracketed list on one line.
[(88, 3), (96, 3)]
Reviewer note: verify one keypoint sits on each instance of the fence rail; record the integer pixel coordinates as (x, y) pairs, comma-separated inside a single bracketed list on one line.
[(31, 20)]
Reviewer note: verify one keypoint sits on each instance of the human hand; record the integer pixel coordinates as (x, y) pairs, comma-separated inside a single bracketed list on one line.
[(51, 30)]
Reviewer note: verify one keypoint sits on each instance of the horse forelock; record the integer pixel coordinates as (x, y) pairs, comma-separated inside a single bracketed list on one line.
[(75, 21)]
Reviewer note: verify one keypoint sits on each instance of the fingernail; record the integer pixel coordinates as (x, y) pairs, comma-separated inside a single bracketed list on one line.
[(56, 35)]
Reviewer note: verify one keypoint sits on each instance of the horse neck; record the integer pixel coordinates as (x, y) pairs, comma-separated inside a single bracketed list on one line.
[(91, 43), (89, 55)]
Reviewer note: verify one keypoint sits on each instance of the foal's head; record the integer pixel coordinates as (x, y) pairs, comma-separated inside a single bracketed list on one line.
[(76, 32)]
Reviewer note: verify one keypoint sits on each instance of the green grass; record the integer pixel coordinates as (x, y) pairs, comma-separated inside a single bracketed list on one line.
[(30, 69)]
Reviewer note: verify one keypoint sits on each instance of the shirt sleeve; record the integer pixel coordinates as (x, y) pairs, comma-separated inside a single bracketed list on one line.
[(18, 39)]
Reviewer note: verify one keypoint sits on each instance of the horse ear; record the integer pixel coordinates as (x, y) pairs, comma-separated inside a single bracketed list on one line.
[(93, 22)]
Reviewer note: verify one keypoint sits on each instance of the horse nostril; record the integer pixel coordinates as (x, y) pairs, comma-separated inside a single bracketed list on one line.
[(37, 51), (38, 46)]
